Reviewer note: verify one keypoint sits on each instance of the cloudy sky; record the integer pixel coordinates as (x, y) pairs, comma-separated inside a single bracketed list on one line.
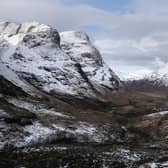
[(132, 35)]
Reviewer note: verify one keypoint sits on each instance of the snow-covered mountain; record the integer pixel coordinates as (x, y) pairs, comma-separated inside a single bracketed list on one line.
[(46, 79), (59, 64), (161, 75)]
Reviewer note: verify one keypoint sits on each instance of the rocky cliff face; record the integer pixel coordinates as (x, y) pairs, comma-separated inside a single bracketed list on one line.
[(81, 50), (66, 65)]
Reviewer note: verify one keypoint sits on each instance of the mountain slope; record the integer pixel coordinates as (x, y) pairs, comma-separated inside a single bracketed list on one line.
[(46, 93), (33, 51), (80, 49)]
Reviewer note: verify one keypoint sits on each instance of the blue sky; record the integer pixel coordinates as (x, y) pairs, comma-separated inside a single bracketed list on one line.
[(131, 35), (120, 6), (113, 6)]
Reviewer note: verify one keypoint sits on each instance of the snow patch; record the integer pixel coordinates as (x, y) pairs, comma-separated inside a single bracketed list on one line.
[(38, 109), (158, 114), (38, 133)]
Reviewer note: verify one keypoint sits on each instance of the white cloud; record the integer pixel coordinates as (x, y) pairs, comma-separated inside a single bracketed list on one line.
[(143, 52), (151, 7)]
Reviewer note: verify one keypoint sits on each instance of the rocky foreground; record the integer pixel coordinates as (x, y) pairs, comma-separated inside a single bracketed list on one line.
[(62, 106)]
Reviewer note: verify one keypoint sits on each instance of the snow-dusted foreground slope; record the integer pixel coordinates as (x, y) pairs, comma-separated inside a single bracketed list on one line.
[(33, 52)]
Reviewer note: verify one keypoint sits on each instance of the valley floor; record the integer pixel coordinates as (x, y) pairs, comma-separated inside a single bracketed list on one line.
[(128, 130)]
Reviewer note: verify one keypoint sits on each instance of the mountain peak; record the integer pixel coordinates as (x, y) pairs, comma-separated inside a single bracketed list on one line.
[(16, 28), (75, 36)]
